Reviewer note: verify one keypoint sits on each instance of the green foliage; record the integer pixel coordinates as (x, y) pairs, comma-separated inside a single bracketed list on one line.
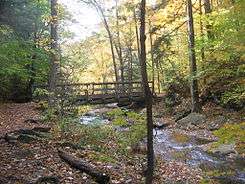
[(39, 93), (26, 17), (119, 121), (104, 138), (50, 115), (97, 137), (135, 116), (235, 97), (65, 123), (84, 109), (20, 63), (136, 132), (223, 69), (116, 113), (232, 133), (100, 157)]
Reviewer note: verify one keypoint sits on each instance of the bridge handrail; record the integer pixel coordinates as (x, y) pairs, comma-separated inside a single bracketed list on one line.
[(93, 83)]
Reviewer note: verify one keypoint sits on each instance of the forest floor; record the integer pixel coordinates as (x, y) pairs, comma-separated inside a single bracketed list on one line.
[(37, 161)]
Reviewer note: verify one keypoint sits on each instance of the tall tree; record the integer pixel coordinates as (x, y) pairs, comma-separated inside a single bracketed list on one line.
[(100, 10), (192, 59), (148, 97), (119, 45), (208, 10), (137, 34), (54, 52), (202, 35), (152, 56)]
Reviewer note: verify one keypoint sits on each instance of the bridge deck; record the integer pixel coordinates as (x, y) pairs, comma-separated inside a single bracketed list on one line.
[(99, 93)]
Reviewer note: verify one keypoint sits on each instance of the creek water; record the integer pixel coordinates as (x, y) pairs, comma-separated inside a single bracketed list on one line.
[(189, 150), (174, 146)]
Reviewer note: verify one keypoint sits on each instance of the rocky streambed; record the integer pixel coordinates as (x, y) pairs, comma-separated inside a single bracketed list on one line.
[(188, 147)]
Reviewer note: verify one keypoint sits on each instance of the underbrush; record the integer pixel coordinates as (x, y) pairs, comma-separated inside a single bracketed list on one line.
[(232, 133), (105, 143)]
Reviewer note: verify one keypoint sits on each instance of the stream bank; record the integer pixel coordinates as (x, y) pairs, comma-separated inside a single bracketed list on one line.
[(190, 147)]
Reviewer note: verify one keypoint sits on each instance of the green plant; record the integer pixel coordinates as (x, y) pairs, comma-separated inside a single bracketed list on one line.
[(49, 115), (119, 121), (236, 96), (40, 93), (116, 113), (84, 109), (101, 157), (231, 133)]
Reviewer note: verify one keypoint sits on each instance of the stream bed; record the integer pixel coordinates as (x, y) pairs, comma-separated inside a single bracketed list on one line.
[(172, 145)]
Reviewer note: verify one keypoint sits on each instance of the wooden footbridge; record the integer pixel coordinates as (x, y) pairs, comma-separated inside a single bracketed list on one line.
[(103, 93)]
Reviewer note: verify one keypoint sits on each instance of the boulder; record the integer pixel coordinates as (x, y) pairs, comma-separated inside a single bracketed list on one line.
[(216, 123), (224, 149), (182, 110), (181, 114), (193, 119), (159, 124)]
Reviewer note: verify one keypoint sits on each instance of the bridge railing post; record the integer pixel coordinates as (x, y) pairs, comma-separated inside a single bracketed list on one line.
[(92, 88)]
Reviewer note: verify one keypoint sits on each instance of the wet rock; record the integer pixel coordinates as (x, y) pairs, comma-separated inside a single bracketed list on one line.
[(202, 141), (98, 111), (229, 179), (121, 128), (181, 114), (182, 110), (143, 111), (159, 124), (90, 113), (192, 120), (217, 123), (224, 149), (111, 106)]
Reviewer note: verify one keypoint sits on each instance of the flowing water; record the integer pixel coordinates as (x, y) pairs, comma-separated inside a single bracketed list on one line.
[(174, 146), (93, 120)]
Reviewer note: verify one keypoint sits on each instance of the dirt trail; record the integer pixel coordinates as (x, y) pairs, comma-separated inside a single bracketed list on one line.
[(26, 163)]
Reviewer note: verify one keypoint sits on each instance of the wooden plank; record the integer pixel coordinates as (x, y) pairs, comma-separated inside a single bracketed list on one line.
[(104, 92)]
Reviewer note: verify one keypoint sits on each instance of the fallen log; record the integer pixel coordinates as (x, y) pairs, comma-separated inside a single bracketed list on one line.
[(47, 179), (71, 145), (99, 177), (32, 121), (24, 138), (34, 131), (26, 135)]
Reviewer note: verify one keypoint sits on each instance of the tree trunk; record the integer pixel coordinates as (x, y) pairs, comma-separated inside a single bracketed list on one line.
[(192, 58), (152, 58), (158, 78), (202, 36), (119, 49), (137, 35), (148, 97), (100, 10), (54, 52), (130, 61), (208, 10), (201, 29)]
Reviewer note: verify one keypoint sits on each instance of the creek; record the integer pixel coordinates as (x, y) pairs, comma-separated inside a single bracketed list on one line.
[(172, 145)]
